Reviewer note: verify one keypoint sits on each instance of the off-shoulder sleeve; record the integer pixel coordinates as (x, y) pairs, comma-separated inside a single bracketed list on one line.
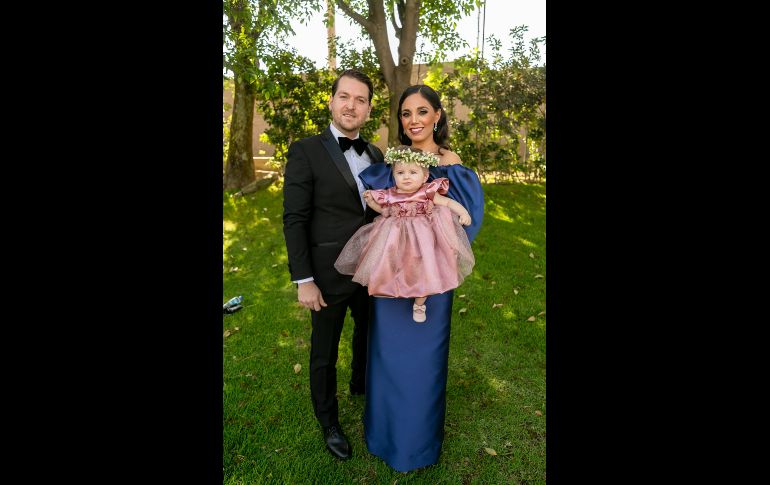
[(465, 188), (377, 176), (440, 185)]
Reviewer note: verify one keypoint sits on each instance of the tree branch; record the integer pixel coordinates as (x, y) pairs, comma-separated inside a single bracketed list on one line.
[(410, 23), (396, 28), (360, 19), (401, 11)]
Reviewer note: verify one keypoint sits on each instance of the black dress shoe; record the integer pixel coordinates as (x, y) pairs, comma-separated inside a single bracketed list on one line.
[(357, 390), (337, 443)]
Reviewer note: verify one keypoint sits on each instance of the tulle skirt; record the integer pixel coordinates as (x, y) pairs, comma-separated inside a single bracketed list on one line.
[(409, 256)]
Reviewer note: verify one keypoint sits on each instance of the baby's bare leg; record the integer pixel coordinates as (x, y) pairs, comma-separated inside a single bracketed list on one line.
[(418, 309)]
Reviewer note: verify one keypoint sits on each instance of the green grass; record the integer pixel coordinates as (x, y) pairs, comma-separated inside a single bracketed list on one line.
[(496, 382)]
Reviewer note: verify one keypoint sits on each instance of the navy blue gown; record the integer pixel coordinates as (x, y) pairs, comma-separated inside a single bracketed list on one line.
[(406, 371)]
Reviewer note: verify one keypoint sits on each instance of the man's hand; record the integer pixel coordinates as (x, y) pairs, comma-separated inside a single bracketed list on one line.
[(309, 296)]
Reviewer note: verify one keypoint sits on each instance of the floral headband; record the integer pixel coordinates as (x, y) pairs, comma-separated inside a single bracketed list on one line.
[(405, 154)]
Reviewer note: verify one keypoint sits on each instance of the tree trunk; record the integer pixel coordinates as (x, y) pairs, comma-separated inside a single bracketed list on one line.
[(402, 80), (397, 74), (331, 33), (407, 46), (239, 171)]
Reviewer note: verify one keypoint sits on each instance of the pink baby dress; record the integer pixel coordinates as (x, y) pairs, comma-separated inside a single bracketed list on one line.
[(414, 248)]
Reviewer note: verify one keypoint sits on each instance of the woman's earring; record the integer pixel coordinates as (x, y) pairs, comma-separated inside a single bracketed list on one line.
[(435, 126)]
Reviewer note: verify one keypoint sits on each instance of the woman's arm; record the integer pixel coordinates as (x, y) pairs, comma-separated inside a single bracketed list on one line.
[(454, 206), (370, 201)]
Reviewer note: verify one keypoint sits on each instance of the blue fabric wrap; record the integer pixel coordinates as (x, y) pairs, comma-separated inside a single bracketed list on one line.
[(406, 370)]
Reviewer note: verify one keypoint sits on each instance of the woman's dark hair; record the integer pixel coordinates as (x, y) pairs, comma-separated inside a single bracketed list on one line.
[(441, 135), (355, 74)]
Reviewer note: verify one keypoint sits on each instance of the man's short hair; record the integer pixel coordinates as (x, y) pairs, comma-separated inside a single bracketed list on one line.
[(355, 74)]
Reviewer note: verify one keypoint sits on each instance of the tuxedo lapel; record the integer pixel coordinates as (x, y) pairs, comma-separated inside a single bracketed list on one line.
[(374, 155), (335, 152)]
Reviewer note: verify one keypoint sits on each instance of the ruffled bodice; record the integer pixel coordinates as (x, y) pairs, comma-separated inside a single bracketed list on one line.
[(418, 203)]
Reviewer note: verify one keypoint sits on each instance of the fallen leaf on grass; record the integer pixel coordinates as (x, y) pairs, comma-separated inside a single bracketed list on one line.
[(462, 310), (490, 451), (245, 249), (541, 313), (515, 291), (531, 255), (230, 332), (495, 305), (234, 269), (461, 296), (297, 368), (284, 333), (492, 283), (538, 413), (274, 265), (531, 319), (538, 276)]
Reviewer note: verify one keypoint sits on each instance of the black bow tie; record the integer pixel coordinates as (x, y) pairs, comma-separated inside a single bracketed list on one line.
[(359, 144)]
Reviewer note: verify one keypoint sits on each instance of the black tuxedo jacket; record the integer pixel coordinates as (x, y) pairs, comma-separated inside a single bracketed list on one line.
[(321, 210)]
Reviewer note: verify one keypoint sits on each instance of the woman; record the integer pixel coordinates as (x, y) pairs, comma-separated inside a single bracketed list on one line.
[(406, 370)]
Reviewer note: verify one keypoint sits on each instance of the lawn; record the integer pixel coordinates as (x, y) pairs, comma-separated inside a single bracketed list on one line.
[(496, 418)]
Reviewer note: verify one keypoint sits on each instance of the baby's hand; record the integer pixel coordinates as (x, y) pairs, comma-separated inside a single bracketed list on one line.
[(465, 219), (367, 194)]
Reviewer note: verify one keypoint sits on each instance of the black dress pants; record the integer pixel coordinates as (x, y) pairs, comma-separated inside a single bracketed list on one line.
[(324, 344)]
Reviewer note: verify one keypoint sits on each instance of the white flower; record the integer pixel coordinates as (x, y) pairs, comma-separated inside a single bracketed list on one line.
[(406, 154)]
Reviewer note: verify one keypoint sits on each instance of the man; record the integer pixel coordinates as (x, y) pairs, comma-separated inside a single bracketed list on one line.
[(323, 206)]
